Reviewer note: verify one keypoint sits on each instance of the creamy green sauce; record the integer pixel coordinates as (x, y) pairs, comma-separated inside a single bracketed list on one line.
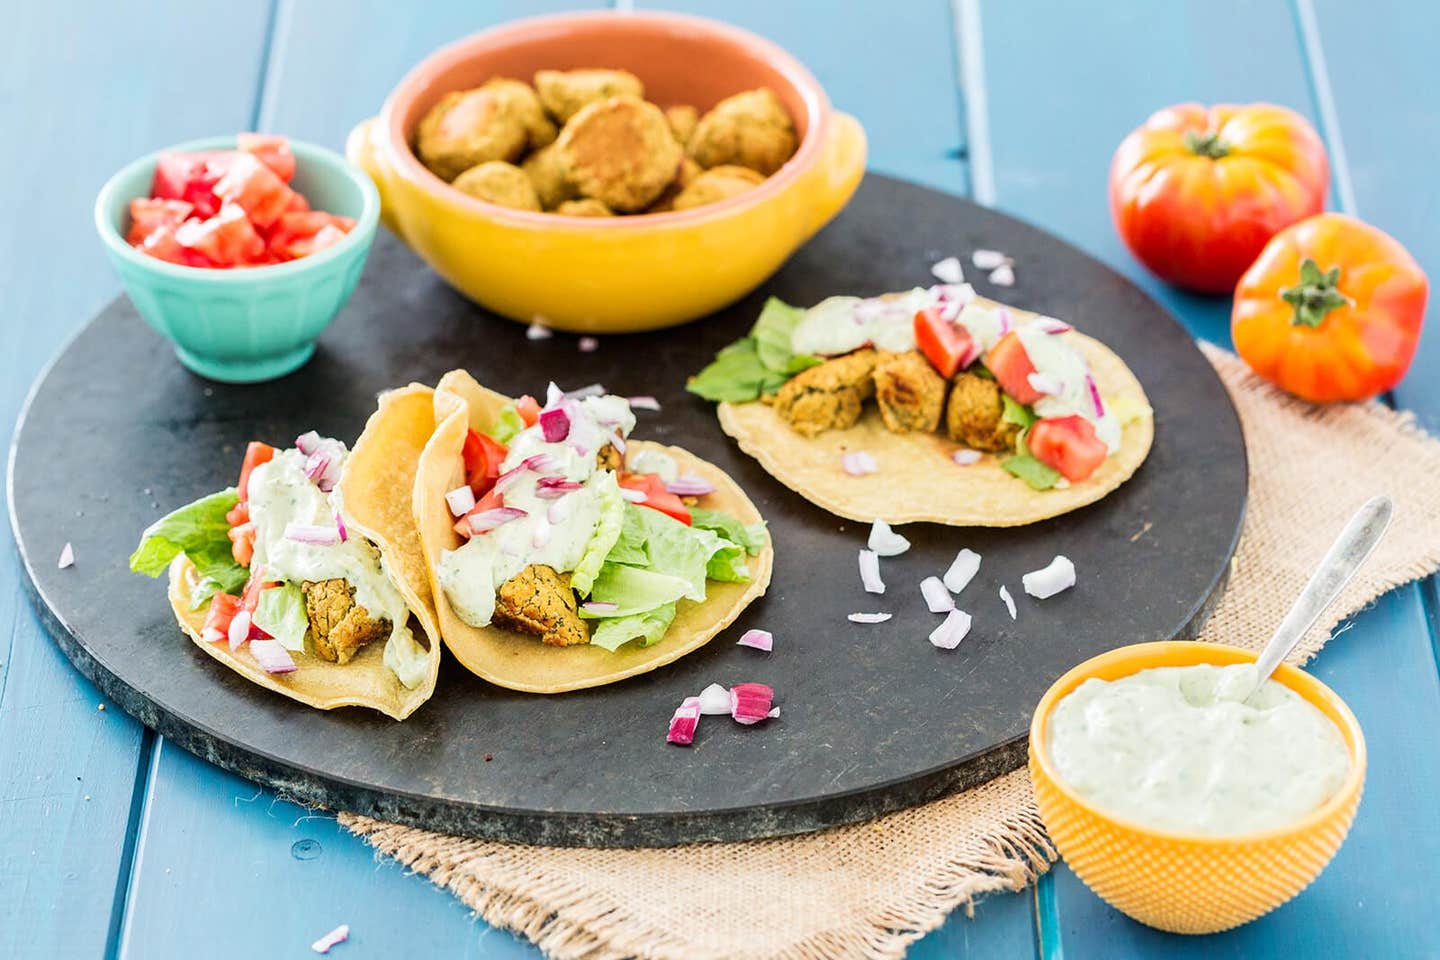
[(552, 532), (280, 494), (1174, 748)]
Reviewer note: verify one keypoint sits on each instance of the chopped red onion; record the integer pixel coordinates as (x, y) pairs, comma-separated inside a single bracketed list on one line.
[(714, 700), (1045, 583), (857, 463), (272, 657), (553, 488), (339, 935), (962, 570), (759, 639), (1095, 395), (553, 395), (951, 631), (239, 631), (67, 556), (589, 390), (684, 722), (588, 344), (1003, 276), (555, 424), (972, 352), (634, 496), (988, 259), (937, 598), (870, 572), (749, 702), (487, 520), (541, 534), (1046, 383), (537, 330), (948, 270), (340, 527), (559, 511), (1004, 316), (212, 635), (966, 457), (312, 533), (599, 606), (462, 527), (868, 617), (536, 463), (461, 500), (307, 442), (885, 541), (690, 485), (644, 403), (951, 311), (1051, 326), (618, 442), (1009, 600)]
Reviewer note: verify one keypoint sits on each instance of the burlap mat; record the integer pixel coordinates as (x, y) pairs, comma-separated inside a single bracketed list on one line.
[(872, 889)]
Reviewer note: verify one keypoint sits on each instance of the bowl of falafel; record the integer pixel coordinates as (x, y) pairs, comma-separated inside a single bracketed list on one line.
[(604, 173)]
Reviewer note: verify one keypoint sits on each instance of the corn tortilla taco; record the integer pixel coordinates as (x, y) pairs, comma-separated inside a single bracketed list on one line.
[(564, 555), (933, 405), (307, 577)]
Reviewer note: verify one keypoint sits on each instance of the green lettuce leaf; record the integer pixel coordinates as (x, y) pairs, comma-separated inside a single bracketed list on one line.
[(280, 612), (1032, 471), (1016, 412), (726, 558), (607, 532), (506, 425), (773, 332), (200, 531), (634, 591), (758, 364), (751, 537), (646, 627)]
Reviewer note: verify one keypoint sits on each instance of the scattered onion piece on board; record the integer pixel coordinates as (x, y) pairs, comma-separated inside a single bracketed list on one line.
[(272, 657), (714, 700), (644, 403), (965, 456), (67, 556), (868, 617), (886, 542), (1003, 276), (1009, 600), (988, 259), (749, 702), (1050, 580), (684, 722), (589, 390), (937, 598), (870, 572), (759, 639), (948, 270), (588, 344), (951, 631), (537, 330), (339, 935), (857, 463), (962, 570)]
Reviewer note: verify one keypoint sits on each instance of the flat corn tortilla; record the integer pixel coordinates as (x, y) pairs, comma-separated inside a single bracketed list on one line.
[(917, 480), (519, 661), (377, 477)]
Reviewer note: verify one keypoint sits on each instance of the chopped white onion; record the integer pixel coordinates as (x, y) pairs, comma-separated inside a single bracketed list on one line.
[(868, 617), (553, 394), (339, 935), (588, 344), (1046, 383), (962, 570), (67, 556), (857, 463), (537, 330), (966, 457), (1045, 583), (618, 442), (272, 657), (759, 639), (461, 500), (988, 259), (937, 598), (1003, 276), (948, 271), (690, 485), (714, 701), (885, 541), (634, 496), (951, 631), (644, 403), (312, 533), (239, 630), (1009, 600), (774, 713), (870, 572)]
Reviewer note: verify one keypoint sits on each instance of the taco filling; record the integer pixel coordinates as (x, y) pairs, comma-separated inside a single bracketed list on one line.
[(567, 540)]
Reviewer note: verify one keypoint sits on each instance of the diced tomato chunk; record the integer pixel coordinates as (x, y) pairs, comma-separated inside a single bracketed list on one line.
[(273, 151), (223, 607), (238, 514), (242, 543), (948, 346), (250, 596), (255, 188), (483, 456), (656, 496), (297, 234), (1011, 365), (162, 245), (148, 215), (192, 177), (529, 409), (227, 239), (256, 453), (1069, 445)]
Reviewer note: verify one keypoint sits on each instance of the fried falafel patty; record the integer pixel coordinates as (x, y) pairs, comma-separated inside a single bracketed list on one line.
[(566, 92), (620, 152), (547, 175), (716, 184), (829, 396), (502, 183), (518, 100), (910, 394), (338, 625), (467, 128), (538, 600), (584, 207), (609, 458), (750, 129), (682, 120), (973, 414)]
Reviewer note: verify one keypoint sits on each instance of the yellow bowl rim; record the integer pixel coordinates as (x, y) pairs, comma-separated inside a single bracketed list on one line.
[(1155, 654)]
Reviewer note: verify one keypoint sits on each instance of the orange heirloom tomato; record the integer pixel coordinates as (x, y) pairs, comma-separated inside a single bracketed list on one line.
[(1331, 310), (1196, 192)]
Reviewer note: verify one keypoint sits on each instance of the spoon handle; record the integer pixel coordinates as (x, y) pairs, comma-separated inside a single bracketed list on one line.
[(1344, 558)]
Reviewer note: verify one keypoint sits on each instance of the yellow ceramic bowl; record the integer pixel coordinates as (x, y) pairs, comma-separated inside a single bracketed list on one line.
[(613, 274), (1189, 883)]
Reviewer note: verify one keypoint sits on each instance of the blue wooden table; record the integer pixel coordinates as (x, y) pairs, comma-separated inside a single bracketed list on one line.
[(115, 843)]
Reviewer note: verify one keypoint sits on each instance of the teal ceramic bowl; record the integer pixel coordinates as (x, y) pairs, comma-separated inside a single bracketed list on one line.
[(248, 324)]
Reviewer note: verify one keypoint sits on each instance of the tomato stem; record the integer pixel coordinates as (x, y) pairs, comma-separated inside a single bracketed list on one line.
[(1206, 145), (1317, 293)]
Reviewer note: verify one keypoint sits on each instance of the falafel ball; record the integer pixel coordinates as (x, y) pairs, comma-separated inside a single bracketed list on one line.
[(519, 100), (338, 625), (502, 183), (750, 129), (682, 120), (566, 92), (715, 184), (584, 207), (467, 128), (973, 416), (620, 152), (829, 396), (538, 600), (909, 392), (547, 174), (689, 170)]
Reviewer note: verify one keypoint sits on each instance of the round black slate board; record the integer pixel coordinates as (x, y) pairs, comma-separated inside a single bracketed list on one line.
[(874, 718)]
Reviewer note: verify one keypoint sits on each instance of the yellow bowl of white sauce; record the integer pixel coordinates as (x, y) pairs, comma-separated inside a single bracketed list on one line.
[(1182, 806)]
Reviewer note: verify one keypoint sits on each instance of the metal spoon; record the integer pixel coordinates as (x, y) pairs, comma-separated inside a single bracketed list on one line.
[(1345, 557)]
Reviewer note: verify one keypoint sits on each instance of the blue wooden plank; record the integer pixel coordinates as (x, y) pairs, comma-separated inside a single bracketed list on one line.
[(88, 87)]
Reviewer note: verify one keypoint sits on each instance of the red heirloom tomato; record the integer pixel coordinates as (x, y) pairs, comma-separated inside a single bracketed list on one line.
[(1331, 310), (1196, 192)]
